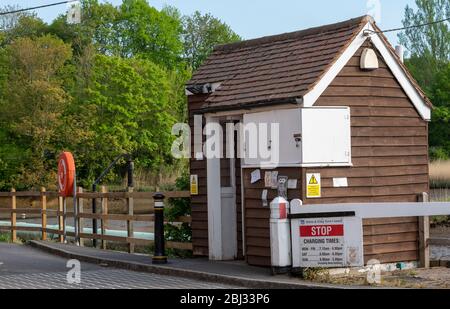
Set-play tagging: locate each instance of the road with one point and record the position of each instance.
(23, 267)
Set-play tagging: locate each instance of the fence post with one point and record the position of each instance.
(61, 218)
(130, 207)
(104, 221)
(80, 220)
(424, 235)
(13, 215)
(44, 213)
(159, 256)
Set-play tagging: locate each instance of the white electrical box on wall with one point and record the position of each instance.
(326, 136)
(268, 147)
(319, 136)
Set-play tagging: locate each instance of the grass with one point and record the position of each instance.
(5, 237)
(440, 175)
(436, 221)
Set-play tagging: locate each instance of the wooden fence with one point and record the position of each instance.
(102, 215)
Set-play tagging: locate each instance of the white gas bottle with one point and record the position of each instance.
(280, 235)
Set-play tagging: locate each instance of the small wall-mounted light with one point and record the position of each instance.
(369, 60)
(298, 139)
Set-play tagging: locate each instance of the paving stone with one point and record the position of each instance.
(104, 279)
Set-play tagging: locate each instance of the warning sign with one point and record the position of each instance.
(327, 242)
(313, 186)
(194, 184)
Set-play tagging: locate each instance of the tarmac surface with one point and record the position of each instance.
(24, 267)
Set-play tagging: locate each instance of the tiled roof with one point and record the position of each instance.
(275, 67)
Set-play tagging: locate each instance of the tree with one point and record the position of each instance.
(112, 84)
(428, 46)
(129, 112)
(18, 25)
(32, 109)
(9, 21)
(429, 49)
(431, 40)
(144, 31)
(440, 125)
(201, 33)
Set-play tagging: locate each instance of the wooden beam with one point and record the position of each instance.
(13, 215)
(130, 232)
(61, 218)
(424, 235)
(80, 206)
(44, 213)
(104, 221)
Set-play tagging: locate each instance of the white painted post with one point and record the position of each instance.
(214, 204)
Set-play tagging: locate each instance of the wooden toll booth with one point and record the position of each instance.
(348, 110)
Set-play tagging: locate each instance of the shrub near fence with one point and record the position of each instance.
(102, 215)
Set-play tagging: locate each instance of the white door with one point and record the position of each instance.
(222, 225)
(228, 207)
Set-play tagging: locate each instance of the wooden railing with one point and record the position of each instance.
(102, 215)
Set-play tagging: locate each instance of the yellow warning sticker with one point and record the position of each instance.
(313, 186)
(313, 180)
(194, 184)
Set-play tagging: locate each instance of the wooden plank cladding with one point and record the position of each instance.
(198, 202)
(389, 154)
(389, 136)
(257, 217)
(390, 164)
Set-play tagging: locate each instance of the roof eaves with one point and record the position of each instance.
(364, 21)
(403, 66)
(234, 107)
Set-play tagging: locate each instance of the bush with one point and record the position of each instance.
(5, 237)
(179, 207)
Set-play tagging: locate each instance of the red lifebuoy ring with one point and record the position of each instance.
(66, 174)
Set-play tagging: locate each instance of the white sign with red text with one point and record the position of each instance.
(327, 242)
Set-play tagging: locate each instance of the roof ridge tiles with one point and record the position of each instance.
(294, 35)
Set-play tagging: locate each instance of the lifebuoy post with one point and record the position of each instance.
(66, 174)
(66, 186)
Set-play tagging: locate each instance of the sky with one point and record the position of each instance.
(256, 18)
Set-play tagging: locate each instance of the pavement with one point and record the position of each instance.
(233, 273)
(24, 267)
(440, 251)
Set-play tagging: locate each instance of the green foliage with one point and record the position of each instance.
(112, 84)
(129, 112)
(430, 65)
(32, 108)
(431, 40)
(440, 133)
(179, 207)
(201, 33)
(5, 237)
(149, 33)
(22, 24)
(133, 29)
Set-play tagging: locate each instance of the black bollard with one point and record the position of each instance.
(159, 256)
